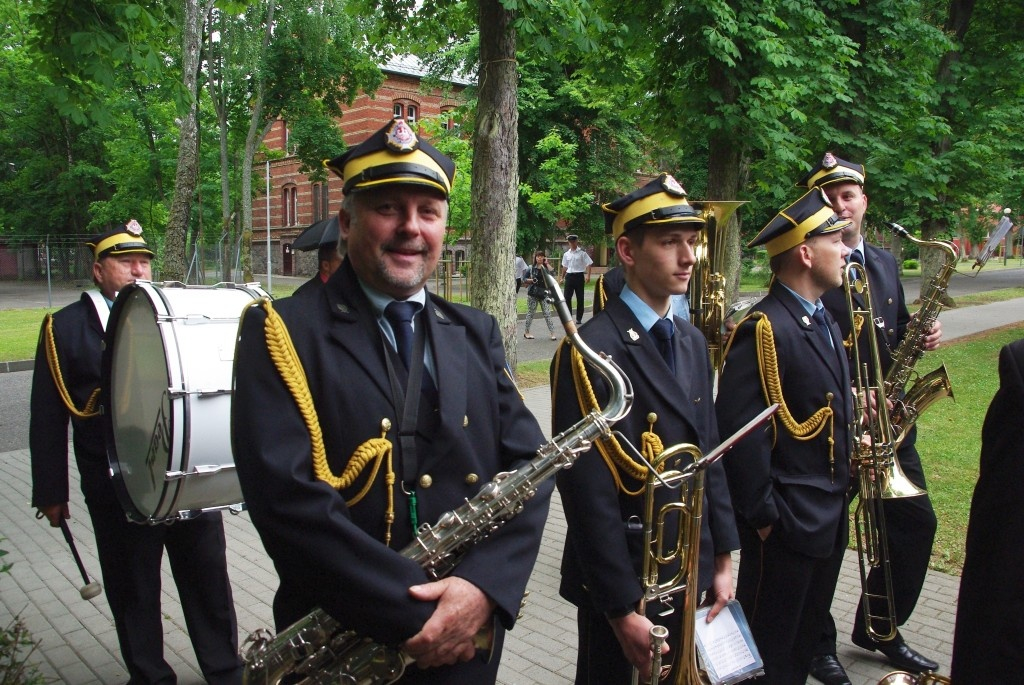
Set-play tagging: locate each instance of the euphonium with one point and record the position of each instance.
(709, 303)
(904, 678)
(317, 649)
(874, 453)
(935, 385)
(665, 471)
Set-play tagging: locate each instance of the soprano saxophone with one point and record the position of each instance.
(935, 385)
(317, 649)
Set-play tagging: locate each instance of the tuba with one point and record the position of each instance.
(318, 650)
(874, 455)
(935, 385)
(709, 304)
(684, 549)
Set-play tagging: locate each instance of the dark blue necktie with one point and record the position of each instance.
(399, 315)
(663, 331)
(822, 325)
(856, 256)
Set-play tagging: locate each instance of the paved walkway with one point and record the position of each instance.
(77, 643)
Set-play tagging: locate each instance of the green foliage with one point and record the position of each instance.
(911, 264)
(16, 648)
(556, 196)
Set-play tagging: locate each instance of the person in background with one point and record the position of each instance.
(520, 268)
(64, 383)
(655, 232)
(576, 265)
(328, 260)
(910, 522)
(537, 294)
(988, 642)
(789, 482)
(390, 407)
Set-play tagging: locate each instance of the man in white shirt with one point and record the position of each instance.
(576, 265)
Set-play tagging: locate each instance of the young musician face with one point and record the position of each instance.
(114, 272)
(394, 236)
(659, 262)
(850, 202)
(827, 254)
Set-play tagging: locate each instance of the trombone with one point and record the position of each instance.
(874, 454)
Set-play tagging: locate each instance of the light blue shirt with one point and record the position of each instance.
(379, 301)
(809, 307)
(641, 310)
(681, 307)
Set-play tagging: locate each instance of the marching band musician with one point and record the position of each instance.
(910, 521)
(789, 482)
(338, 484)
(655, 231)
(67, 373)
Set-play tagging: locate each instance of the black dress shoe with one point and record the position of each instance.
(827, 669)
(899, 654)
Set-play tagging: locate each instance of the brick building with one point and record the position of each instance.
(295, 202)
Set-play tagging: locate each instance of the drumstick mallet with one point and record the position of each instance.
(91, 589)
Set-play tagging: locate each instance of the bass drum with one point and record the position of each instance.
(167, 397)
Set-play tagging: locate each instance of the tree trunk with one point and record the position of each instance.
(495, 190)
(187, 174)
(726, 176)
(257, 132)
(957, 23)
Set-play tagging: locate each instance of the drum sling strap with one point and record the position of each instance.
(375, 450)
(53, 359)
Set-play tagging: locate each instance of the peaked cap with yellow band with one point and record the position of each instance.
(125, 239)
(830, 170)
(394, 154)
(811, 215)
(660, 202)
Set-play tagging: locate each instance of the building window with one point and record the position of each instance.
(289, 206)
(410, 114)
(315, 197)
(399, 110)
(447, 119)
(325, 205)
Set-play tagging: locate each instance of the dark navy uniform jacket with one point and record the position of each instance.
(774, 478)
(332, 555)
(601, 563)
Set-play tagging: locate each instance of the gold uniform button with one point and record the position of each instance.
(426, 481)
(889, 301)
(829, 396)
(465, 421)
(891, 331)
(472, 478)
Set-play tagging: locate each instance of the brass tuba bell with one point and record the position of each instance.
(709, 304)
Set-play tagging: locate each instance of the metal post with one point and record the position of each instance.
(49, 283)
(270, 287)
(1008, 240)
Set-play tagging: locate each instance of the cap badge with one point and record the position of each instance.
(633, 335)
(400, 137)
(671, 186)
(829, 161)
(134, 227)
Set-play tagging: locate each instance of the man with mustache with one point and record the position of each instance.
(373, 406)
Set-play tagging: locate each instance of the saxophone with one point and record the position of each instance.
(317, 649)
(935, 385)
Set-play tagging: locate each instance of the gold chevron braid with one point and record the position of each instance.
(771, 385)
(609, 447)
(53, 361)
(376, 450)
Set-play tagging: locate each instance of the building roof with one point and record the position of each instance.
(411, 65)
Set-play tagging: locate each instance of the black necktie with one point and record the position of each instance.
(663, 330)
(399, 315)
(856, 256)
(819, 319)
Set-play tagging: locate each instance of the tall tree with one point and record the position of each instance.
(193, 18)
